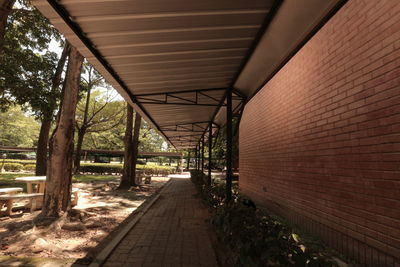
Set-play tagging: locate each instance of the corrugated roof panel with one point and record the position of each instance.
(156, 46)
(173, 35)
(121, 7)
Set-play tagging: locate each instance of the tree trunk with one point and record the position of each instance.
(78, 152)
(127, 170)
(5, 10)
(57, 199)
(60, 66)
(135, 144)
(81, 134)
(41, 152)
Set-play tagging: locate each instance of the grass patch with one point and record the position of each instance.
(8, 180)
(82, 178)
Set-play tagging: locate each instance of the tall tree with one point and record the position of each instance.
(57, 199)
(128, 153)
(135, 146)
(98, 112)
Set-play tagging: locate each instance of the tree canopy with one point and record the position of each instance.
(17, 128)
(27, 65)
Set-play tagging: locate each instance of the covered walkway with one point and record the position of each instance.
(173, 232)
(313, 85)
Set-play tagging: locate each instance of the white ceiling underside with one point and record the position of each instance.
(173, 60)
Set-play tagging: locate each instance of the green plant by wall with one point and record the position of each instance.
(254, 237)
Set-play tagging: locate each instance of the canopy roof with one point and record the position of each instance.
(174, 60)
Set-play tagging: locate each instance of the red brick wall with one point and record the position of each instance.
(320, 143)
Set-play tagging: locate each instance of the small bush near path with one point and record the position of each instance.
(254, 237)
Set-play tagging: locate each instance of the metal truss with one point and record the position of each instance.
(176, 98)
(196, 127)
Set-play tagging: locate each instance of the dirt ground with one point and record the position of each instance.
(99, 214)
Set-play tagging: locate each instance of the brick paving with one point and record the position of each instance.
(173, 232)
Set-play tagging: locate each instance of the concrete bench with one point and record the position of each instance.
(10, 190)
(9, 199)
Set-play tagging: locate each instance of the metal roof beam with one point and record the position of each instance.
(187, 100)
(179, 103)
(186, 123)
(182, 131)
(182, 92)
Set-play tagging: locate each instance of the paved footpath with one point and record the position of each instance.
(173, 232)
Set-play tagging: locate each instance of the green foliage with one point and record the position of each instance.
(102, 168)
(17, 129)
(219, 145)
(29, 167)
(98, 168)
(113, 138)
(257, 239)
(98, 111)
(149, 139)
(254, 237)
(27, 66)
(13, 167)
(20, 161)
(156, 170)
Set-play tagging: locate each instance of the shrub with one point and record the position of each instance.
(101, 168)
(252, 236)
(13, 167)
(20, 161)
(156, 170)
(258, 239)
(29, 167)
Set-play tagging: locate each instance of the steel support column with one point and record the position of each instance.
(229, 145)
(202, 154)
(196, 158)
(188, 161)
(209, 154)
